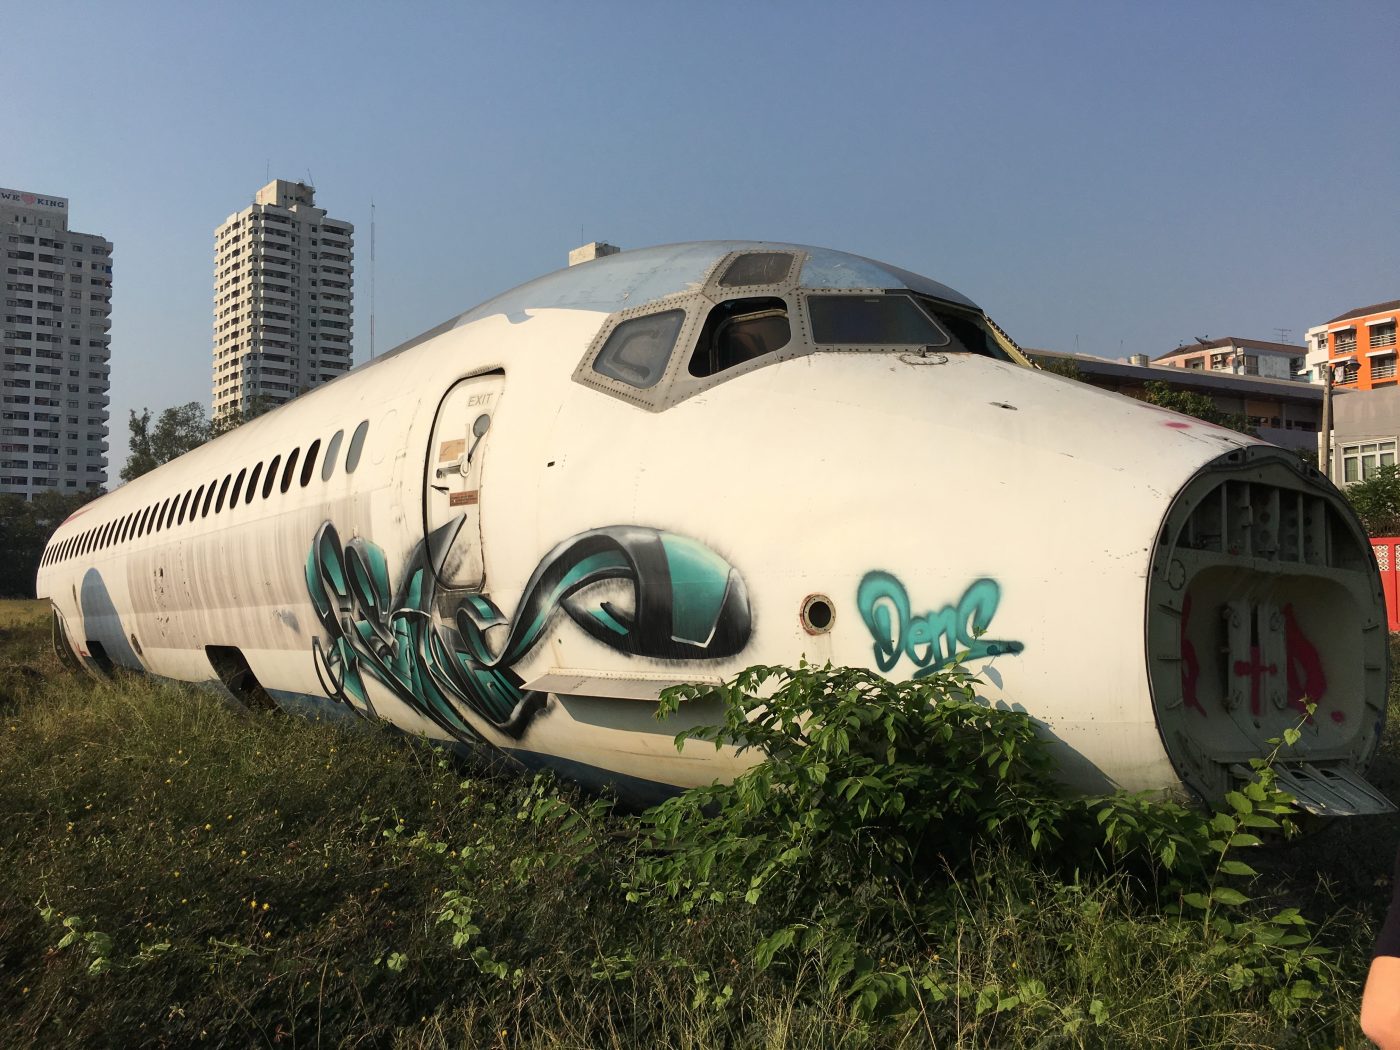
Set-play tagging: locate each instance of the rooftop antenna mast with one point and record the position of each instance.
(371, 278)
(1283, 334)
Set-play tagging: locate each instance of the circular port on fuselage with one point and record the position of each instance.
(817, 614)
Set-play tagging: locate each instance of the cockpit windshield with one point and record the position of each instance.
(898, 319)
(872, 320)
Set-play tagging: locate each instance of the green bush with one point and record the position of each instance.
(875, 800)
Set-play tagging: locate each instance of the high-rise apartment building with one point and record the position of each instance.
(282, 298)
(54, 349)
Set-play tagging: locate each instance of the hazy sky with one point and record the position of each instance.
(1111, 177)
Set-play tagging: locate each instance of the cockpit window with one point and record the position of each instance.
(757, 268)
(739, 331)
(637, 351)
(872, 320)
(969, 333)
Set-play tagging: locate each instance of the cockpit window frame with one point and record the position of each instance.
(676, 384)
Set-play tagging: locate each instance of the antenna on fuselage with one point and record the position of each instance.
(371, 278)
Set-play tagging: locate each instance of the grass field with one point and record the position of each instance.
(174, 871)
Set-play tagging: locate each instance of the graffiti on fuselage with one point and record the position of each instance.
(428, 646)
(930, 640)
(1305, 679)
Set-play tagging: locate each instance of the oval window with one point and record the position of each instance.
(290, 470)
(308, 468)
(357, 445)
(271, 478)
(332, 451)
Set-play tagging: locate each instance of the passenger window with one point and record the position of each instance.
(237, 488)
(357, 444)
(872, 320)
(309, 467)
(223, 491)
(194, 506)
(757, 268)
(290, 470)
(739, 331)
(160, 515)
(638, 350)
(332, 452)
(184, 505)
(271, 478)
(208, 498)
(253, 483)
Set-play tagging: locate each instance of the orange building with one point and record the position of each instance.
(1361, 346)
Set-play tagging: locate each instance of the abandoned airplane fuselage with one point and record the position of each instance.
(672, 463)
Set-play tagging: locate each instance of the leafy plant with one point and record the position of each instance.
(872, 796)
(861, 779)
(1377, 501)
(1192, 404)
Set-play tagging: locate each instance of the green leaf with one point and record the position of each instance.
(1226, 895)
(1238, 802)
(1236, 867)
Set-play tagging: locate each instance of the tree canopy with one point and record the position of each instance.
(178, 430)
(25, 527)
(1377, 502)
(1197, 405)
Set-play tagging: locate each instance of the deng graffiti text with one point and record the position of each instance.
(931, 640)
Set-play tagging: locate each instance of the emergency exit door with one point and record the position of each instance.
(452, 492)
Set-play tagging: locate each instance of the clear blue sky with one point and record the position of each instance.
(1114, 177)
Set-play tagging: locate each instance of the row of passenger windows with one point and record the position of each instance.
(218, 496)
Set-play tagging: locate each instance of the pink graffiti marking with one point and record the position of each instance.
(1178, 426)
(1306, 678)
(1190, 666)
(1255, 670)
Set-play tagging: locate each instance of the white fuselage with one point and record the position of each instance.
(937, 502)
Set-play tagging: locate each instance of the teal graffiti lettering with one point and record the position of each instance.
(934, 639)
